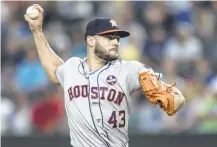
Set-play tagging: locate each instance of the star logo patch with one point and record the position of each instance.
(111, 80)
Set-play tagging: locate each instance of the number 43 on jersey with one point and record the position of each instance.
(115, 116)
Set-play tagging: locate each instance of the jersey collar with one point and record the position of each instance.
(85, 67)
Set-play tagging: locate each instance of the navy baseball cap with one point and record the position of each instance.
(104, 25)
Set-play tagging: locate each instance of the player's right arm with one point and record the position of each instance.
(49, 60)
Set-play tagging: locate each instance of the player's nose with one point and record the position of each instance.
(115, 42)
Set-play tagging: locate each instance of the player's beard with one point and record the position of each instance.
(101, 53)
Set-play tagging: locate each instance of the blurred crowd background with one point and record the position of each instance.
(178, 39)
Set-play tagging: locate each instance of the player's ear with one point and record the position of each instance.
(91, 41)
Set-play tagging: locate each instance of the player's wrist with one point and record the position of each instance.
(37, 32)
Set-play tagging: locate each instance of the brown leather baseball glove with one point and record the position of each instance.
(158, 92)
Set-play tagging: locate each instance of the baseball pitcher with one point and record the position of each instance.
(98, 88)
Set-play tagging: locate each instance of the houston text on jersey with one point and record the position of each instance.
(110, 94)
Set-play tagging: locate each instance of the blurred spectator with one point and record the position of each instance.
(154, 46)
(155, 14)
(74, 9)
(30, 75)
(207, 116)
(21, 122)
(184, 49)
(47, 113)
(205, 22)
(7, 110)
(180, 10)
(150, 118)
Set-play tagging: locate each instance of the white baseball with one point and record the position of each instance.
(32, 12)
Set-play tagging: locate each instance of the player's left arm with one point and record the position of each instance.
(168, 97)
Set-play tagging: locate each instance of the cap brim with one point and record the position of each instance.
(120, 33)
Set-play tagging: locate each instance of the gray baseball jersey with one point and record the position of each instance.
(98, 103)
